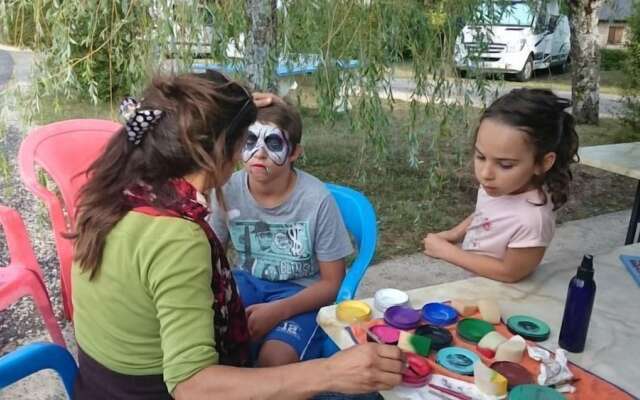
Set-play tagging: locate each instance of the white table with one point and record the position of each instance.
(613, 343)
(623, 159)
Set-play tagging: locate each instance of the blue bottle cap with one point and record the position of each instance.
(439, 314)
(457, 359)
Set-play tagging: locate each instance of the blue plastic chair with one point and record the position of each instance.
(35, 357)
(360, 218)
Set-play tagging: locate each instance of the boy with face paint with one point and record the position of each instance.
(289, 239)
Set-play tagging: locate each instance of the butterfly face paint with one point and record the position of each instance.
(271, 139)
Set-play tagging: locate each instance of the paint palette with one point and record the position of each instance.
(418, 371)
(386, 334)
(351, 311)
(439, 314)
(440, 337)
(473, 329)
(457, 359)
(402, 317)
(515, 373)
(528, 327)
(385, 298)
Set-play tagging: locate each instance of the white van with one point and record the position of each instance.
(515, 38)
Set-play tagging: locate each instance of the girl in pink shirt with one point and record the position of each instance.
(523, 148)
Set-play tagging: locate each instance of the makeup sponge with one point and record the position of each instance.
(489, 311)
(489, 381)
(489, 343)
(414, 343)
(511, 350)
(465, 308)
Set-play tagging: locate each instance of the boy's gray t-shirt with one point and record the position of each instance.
(286, 242)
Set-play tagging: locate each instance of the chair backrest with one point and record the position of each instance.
(360, 219)
(35, 357)
(20, 250)
(64, 150)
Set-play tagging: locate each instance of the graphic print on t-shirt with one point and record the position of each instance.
(275, 252)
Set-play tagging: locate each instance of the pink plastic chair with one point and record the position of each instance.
(23, 275)
(64, 150)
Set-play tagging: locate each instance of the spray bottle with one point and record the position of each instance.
(577, 309)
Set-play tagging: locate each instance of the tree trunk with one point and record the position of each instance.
(260, 46)
(585, 60)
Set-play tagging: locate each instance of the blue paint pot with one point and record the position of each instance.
(439, 314)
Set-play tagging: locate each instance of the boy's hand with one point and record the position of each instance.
(263, 317)
(435, 245)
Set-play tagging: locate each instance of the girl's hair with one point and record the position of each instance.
(540, 113)
(205, 118)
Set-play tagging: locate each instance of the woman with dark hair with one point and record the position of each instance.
(156, 312)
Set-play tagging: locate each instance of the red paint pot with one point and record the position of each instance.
(418, 371)
(488, 353)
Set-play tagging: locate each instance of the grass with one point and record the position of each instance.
(611, 82)
(411, 202)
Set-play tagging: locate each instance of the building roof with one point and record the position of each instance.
(616, 10)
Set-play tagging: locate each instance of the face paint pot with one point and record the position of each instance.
(439, 314)
(351, 311)
(528, 327)
(385, 298)
(440, 337)
(473, 329)
(537, 392)
(457, 359)
(402, 317)
(516, 374)
(418, 371)
(386, 333)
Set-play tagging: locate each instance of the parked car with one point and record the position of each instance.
(514, 38)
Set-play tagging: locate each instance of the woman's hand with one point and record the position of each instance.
(262, 99)
(263, 317)
(435, 245)
(366, 368)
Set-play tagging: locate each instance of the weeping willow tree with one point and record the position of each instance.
(101, 49)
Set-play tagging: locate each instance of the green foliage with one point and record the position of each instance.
(632, 69)
(100, 49)
(612, 59)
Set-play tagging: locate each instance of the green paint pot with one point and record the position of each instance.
(528, 327)
(473, 329)
(534, 392)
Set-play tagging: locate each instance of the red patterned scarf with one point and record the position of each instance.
(230, 321)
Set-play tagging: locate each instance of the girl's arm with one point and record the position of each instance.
(516, 265)
(456, 234)
(264, 316)
(360, 369)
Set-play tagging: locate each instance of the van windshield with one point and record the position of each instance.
(514, 14)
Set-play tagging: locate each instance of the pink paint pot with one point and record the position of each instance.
(386, 333)
(418, 371)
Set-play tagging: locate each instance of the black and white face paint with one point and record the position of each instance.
(272, 139)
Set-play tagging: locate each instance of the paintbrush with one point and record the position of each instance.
(450, 392)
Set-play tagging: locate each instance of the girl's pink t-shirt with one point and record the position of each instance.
(511, 221)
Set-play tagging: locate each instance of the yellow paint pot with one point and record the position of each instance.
(351, 311)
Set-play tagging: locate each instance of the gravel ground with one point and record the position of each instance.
(21, 320)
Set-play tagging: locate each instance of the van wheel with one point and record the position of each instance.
(565, 66)
(527, 71)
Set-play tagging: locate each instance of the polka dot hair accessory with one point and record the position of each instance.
(137, 121)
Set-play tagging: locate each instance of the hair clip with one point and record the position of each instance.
(137, 121)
